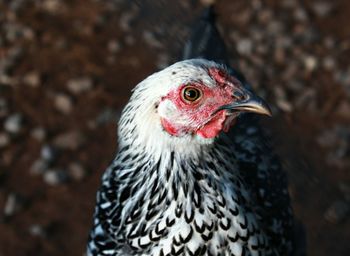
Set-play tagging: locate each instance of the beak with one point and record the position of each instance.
(248, 102)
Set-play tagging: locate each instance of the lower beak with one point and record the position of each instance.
(248, 103)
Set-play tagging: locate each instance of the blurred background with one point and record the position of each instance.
(67, 68)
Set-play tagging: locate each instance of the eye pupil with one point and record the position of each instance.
(191, 94)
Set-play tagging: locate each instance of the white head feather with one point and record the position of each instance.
(140, 122)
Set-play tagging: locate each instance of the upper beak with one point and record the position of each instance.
(248, 102)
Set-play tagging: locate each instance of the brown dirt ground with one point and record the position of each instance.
(65, 211)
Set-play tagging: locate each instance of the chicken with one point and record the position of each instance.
(194, 174)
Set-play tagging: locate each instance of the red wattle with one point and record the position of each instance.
(213, 127)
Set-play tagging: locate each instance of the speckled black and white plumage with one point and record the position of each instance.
(164, 195)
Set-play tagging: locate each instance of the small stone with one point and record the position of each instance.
(7, 80)
(289, 4)
(299, 31)
(281, 99)
(52, 6)
(306, 99)
(63, 103)
(38, 133)
(328, 63)
(79, 85)
(12, 205)
(283, 41)
(4, 140)
(3, 107)
(16, 5)
(13, 124)
(113, 46)
(234, 36)
(207, 2)
(108, 115)
(48, 153)
(344, 45)
(311, 35)
(343, 109)
(256, 4)
(13, 31)
(327, 138)
(342, 149)
(39, 167)
(242, 18)
(275, 27)
(337, 212)
(279, 92)
(257, 36)
(70, 140)
(265, 16)
(284, 105)
(343, 77)
(61, 44)
(261, 49)
(300, 15)
(76, 171)
(336, 140)
(336, 158)
(32, 79)
(257, 61)
(151, 39)
(295, 85)
(8, 61)
(279, 55)
(7, 157)
(125, 20)
(101, 19)
(55, 177)
(329, 42)
(133, 61)
(91, 124)
(322, 8)
(111, 60)
(37, 230)
(28, 33)
(310, 63)
(130, 40)
(83, 28)
(163, 60)
(245, 46)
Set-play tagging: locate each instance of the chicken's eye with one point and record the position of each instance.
(191, 94)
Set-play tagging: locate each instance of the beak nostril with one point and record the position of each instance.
(246, 101)
(238, 95)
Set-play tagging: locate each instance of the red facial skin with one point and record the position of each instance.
(200, 112)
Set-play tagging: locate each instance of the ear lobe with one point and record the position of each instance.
(170, 128)
(168, 114)
(166, 109)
